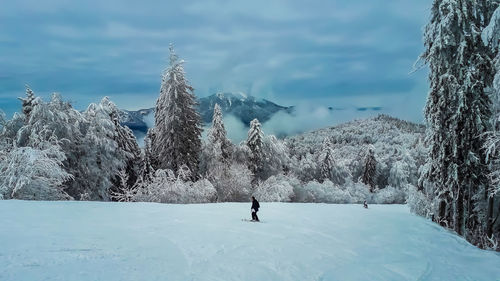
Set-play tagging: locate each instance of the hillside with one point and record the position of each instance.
(147, 241)
(398, 146)
(381, 128)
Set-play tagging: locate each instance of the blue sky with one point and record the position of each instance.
(336, 53)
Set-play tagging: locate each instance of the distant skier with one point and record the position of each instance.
(255, 209)
(365, 205)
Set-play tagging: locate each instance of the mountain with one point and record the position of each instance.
(137, 120)
(243, 107)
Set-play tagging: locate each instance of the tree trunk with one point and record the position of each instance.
(459, 212)
(489, 217)
(442, 212)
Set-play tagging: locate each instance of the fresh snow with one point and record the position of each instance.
(73, 240)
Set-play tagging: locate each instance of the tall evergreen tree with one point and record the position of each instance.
(3, 120)
(103, 160)
(326, 161)
(217, 153)
(457, 109)
(147, 172)
(275, 157)
(491, 37)
(329, 168)
(218, 143)
(177, 132)
(127, 147)
(255, 142)
(370, 169)
(27, 102)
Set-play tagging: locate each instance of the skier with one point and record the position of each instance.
(255, 209)
(365, 205)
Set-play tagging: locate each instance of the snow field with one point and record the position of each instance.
(71, 240)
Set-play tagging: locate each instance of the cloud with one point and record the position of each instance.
(236, 130)
(305, 118)
(288, 50)
(308, 119)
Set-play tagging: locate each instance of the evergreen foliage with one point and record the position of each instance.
(370, 169)
(177, 131)
(458, 112)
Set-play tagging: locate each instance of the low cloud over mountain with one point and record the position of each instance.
(239, 109)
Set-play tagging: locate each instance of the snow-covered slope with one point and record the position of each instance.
(146, 241)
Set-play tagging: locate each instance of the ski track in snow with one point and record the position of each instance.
(147, 241)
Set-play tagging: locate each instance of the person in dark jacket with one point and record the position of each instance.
(255, 209)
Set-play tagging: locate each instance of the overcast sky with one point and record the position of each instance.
(342, 53)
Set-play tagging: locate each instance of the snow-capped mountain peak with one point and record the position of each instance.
(243, 107)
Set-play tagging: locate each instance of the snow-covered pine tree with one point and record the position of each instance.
(27, 102)
(276, 157)
(255, 142)
(441, 102)
(217, 155)
(491, 38)
(329, 169)
(177, 132)
(399, 174)
(103, 159)
(11, 128)
(146, 172)
(457, 109)
(370, 169)
(304, 166)
(474, 114)
(3, 120)
(326, 161)
(127, 147)
(218, 144)
(127, 143)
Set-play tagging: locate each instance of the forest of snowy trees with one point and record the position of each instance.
(447, 171)
(53, 152)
